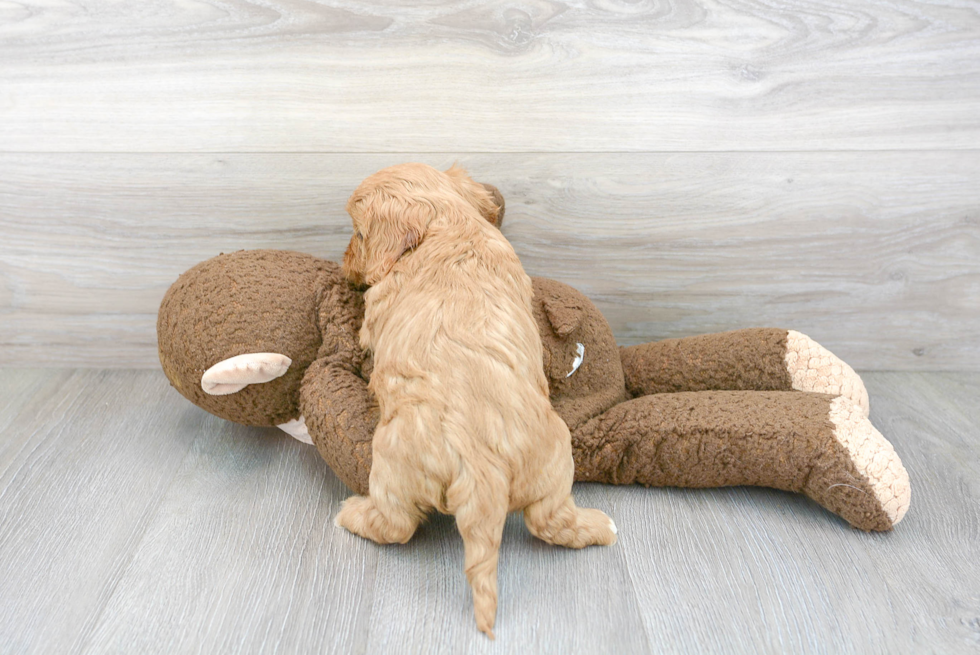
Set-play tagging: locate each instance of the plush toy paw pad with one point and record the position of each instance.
(873, 456)
(235, 373)
(814, 368)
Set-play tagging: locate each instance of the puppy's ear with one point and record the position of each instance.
(393, 227)
(498, 199)
(477, 195)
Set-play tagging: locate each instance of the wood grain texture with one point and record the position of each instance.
(521, 76)
(552, 600)
(934, 420)
(761, 571)
(242, 557)
(131, 521)
(875, 255)
(83, 466)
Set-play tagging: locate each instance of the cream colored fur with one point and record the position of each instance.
(466, 424)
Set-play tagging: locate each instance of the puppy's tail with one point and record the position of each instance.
(480, 520)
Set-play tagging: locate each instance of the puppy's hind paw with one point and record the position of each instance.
(361, 515)
(592, 528)
(599, 527)
(352, 512)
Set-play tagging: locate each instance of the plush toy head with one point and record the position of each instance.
(289, 306)
(258, 301)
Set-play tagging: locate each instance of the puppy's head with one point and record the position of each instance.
(392, 209)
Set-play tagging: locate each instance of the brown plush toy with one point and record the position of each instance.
(270, 338)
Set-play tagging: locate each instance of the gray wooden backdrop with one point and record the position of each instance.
(692, 166)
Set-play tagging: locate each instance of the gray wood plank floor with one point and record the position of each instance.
(131, 521)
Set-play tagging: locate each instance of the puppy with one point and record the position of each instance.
(466, 425)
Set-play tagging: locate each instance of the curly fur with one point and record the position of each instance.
(466, 425)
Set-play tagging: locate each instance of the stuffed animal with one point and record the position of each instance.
(270, 338)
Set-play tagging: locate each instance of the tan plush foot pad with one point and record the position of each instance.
(874, 458)
(297, 430)
(814, 368)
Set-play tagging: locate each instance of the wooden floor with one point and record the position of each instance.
(133, 522)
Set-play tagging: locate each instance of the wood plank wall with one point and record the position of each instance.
(692, 166)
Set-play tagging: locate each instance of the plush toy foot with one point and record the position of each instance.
(816, 444)
(880, 473)
(236, 373)
(814, 368)
(297, 430)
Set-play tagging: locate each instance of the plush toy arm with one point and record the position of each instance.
(755, 359)
(816, 444)
(341, 416)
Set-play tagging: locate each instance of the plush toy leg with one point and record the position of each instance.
(755, 359)
(811, 443)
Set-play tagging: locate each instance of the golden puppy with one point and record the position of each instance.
(466, 426)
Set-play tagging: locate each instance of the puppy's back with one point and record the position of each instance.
(466, 424)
